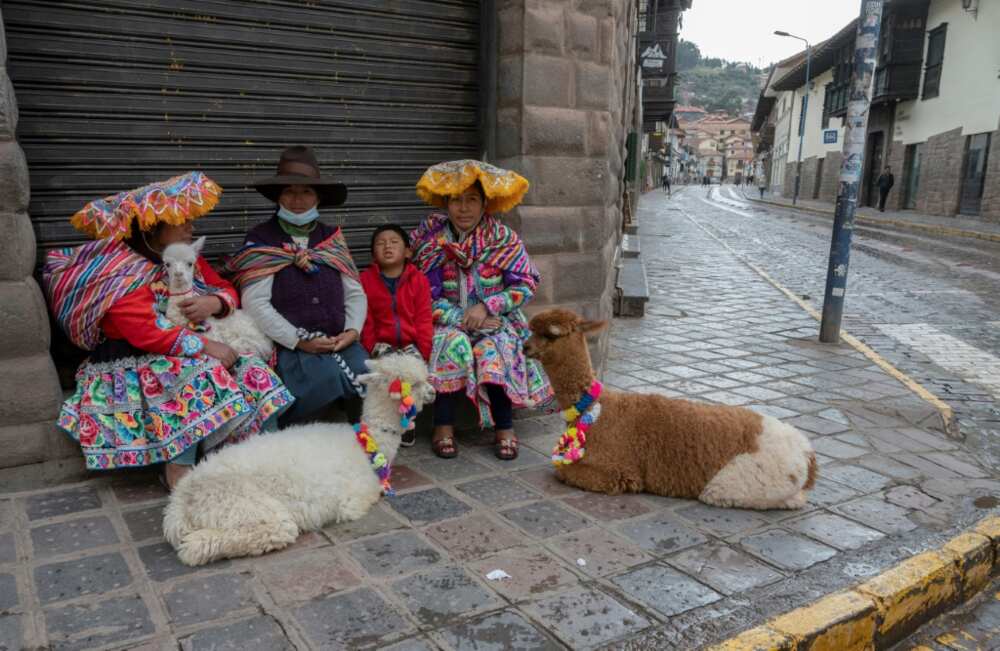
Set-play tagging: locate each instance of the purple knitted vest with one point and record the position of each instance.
(311, 301)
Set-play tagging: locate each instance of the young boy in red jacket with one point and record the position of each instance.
(399, 301)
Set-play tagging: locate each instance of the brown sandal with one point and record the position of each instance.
(444, 447)
(506, 448)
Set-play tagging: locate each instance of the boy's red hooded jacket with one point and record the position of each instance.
(401, 320)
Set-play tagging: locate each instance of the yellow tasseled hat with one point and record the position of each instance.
(504, 189)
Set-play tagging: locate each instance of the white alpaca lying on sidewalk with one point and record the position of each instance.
(258, 496)
(237, 329)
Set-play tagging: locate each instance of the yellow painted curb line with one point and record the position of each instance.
(947, 413)
(933, 229)
(885, 609)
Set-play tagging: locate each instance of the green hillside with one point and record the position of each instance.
(716, 84)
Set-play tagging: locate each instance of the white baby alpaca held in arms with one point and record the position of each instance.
(237, 329)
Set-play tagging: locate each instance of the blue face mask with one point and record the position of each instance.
(298, 218)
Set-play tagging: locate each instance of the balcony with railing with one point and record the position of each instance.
(897, 81)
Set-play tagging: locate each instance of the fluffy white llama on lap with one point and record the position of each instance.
(258, 496)
(237, 328)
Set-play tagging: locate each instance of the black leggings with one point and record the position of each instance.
(500, 407)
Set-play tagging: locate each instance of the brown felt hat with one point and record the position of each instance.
(298, 166)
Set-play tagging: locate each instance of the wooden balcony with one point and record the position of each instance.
(895, 82)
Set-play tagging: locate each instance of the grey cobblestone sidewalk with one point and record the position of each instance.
(85, 566)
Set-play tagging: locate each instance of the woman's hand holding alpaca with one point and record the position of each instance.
(198, 308)
(474, 317)
(344, 339)
(222, 352)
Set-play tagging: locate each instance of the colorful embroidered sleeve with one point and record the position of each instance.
(134, 319)
(446, 313)
(518, 290)
(225, 291)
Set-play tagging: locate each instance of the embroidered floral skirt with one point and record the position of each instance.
(138, 411)
(461, 363)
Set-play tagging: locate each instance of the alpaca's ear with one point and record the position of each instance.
(590, 328)
(368, 378)
(198, 244)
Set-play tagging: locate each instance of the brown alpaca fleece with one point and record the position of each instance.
(652, 443)
(638, 436)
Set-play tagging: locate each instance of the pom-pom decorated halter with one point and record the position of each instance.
(408, 415)
(407, 407)
(377, 460)
(579, 418)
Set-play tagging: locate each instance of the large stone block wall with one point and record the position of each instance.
(33, 450)
(991, 193)
(565, 105)
(788, 183)
(808, 181)
(830, 181)
(940, 174)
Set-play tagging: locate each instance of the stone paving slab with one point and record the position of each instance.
(86, 566)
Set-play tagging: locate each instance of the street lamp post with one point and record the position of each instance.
(802, 118)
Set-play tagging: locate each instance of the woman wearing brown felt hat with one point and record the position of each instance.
(299, 282)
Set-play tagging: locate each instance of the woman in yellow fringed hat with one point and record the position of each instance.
(480, 277)
(152, 392)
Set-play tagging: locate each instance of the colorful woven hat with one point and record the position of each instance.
(504, 188)
(174, 201)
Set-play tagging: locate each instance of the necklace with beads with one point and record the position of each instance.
(579, 418)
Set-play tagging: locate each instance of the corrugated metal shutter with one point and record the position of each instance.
(117, 93)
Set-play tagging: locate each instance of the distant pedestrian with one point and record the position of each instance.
(666, 183)
(750, 180)
(761, 185)
(885, 183)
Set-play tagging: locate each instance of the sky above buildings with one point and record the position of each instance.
(739, 30)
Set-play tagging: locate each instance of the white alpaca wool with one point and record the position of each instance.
(259, 495)
(236, 329)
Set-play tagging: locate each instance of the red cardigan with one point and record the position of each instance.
(401, 321)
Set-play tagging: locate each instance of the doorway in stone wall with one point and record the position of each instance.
(977, 149)
(911, 168)
(873, 165)
(818, 181)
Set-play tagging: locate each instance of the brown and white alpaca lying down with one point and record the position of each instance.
(721, 455)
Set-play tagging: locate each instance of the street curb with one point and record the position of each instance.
(885, 609)
(946, 231)
(948, 422)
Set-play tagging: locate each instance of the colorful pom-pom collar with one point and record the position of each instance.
(377, 460)
(579, 418)
(407, 420)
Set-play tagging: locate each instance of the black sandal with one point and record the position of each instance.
(444, 447)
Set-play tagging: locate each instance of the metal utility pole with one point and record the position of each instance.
(866, 46)
(802, 116)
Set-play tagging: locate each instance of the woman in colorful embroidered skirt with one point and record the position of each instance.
(300, 285)
(152, 392)
(480, 278)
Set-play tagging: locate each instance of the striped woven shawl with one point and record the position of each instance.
(491, 243)
(82, 283)
(257, 261)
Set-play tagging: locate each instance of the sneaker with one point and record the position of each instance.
(408, 439)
